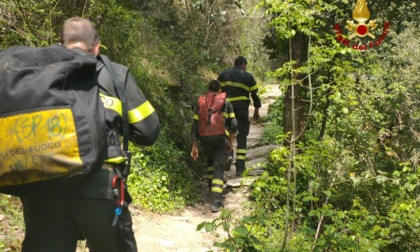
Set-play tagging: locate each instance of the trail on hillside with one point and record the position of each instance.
(165, 233)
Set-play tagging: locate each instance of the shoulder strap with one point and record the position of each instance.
(121, 95)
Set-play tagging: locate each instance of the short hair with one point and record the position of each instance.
(80, 30)
(240, 61)
(214, 85)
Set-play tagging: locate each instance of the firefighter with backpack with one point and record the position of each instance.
(214, 126)
(97, 207)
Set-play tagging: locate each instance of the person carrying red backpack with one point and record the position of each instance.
(215, 127)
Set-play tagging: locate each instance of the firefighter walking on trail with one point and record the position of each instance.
(214, 125)
(239, 85)
(97, 208)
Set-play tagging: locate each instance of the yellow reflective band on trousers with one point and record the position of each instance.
(217, 182)
(217, 189)
(210, 172)
(241, 151)
(240, 154)
(217, 185)
(195, 117)
(141, 112)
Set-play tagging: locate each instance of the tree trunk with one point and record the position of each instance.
(298, 54)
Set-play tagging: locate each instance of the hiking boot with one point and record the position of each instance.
(228, 163)
(215, 207)
(239, 172)
(216, 202)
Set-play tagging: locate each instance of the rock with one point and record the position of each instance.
(256, 172)
(256, 166)
(262, 151)
(240, 181)
(256, 163)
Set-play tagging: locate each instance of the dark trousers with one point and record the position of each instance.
(242, 117)
(53, 225)
(215, 150)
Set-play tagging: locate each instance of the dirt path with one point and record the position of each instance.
(164, 233)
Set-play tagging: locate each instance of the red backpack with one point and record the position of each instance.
(211, 121)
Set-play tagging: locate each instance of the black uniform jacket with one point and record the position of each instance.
(144, 128)
(143, 121)
(238, 85)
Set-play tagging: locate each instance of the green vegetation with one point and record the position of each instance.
(347, 176)
(11, 221)
(172, 49)
(160, 180)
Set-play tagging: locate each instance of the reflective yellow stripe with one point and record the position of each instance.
(238, 98)
(253, 88)
(235, 84)
(217, 182)
(210, 168)
(141, 112)
(216, 189)
(196, 117)
(135, 115)
(111, 103)
(228, 115)
(116, 160)
(210, 176)
(240, 154)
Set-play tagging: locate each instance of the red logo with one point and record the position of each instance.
(361, 29)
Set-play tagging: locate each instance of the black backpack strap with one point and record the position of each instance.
(121, 94)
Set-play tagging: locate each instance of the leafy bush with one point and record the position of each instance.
(334, 207)
(273, 124)
(159, 180)
(11, 223)
(240, 234)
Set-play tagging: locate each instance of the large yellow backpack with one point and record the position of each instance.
(52, 121)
